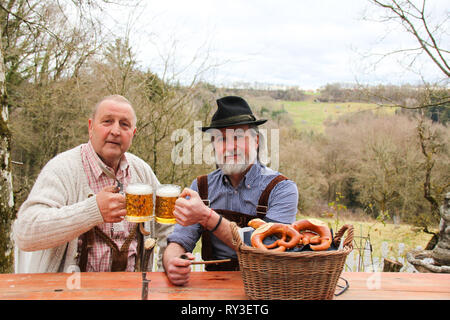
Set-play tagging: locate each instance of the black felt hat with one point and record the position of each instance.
(232, 111)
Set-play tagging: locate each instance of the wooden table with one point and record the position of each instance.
(207, 286)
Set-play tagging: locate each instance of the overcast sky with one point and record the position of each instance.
(292, 42)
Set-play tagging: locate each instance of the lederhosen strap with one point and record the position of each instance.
(119, 257)
(264, 198)
(87, 242)
(240, 218)
(202, 185)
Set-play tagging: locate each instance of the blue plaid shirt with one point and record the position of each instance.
(282, 204)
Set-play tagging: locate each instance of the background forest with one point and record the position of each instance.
(369, 150)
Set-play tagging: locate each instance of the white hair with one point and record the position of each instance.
(116, 98)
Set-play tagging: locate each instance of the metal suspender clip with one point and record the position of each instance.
(261, 209)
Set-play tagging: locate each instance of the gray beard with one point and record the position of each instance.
(231, 168)
(237, 168)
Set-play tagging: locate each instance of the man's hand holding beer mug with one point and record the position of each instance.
(111, 204)
(190, 209)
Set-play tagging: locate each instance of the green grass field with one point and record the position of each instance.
(309, 115)
(378, 233)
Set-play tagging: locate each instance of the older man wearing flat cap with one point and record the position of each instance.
(239, 190)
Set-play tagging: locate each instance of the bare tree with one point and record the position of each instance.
(432, 144)
(41, 42)
(431, 37)
(6, 187)
(414, 18)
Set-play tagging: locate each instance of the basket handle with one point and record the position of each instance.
(348, 239)
(236, 239)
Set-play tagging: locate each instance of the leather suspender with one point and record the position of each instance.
(119, 257)
(261, 208)
(240, 218)
(202, 184)
(87, 241)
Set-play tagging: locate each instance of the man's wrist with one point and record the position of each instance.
(211, 223)
(217, 225)
(207, 216)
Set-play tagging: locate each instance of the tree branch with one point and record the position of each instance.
(440, 62)
(435, 46)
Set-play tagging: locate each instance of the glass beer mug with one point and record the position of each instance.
(166, 195)
(139, 202)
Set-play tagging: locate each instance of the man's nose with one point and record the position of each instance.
(115, 129)
(230, 144)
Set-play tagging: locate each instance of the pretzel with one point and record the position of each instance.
(309, 237)
(314, 232)
(256, 223)
(267, 229)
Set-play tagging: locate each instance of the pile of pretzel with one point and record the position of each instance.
(302, 232)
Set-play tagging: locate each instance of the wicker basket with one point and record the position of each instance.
(306, 275)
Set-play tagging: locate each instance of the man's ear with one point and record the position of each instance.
(90, 127)
(257, 142)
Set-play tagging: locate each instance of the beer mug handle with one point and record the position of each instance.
(120, 186)
(142, 229)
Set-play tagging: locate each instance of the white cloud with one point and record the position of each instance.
(306, 43)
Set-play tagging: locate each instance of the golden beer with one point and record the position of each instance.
(166, 195)
(139, 200)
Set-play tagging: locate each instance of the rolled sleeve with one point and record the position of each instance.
(283, 202)
(186, 237)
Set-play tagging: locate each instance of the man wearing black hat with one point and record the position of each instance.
(239, 190)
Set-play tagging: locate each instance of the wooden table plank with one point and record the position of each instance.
(54, 286)
(393, 285)
(207, 286)
(202, 286)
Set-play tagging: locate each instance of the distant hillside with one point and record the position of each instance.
(311, 114)
(308, 110)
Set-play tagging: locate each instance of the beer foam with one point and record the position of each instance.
(168, 190)
(139, 189)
